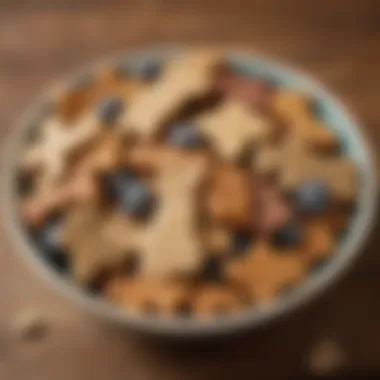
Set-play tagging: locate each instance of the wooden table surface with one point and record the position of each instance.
(338, 41)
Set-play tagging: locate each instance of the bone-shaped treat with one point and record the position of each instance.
(319, 241)
(296, 163)
(97, 240)
(295, 110)
(143, 295)
(57, 141)
(77, 99)
(80, 187)
(184, 79)
(264, 271)
(229, 198)
(232, 127)
(171, 242)
(212, 300)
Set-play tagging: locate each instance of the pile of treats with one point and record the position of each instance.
(185, 187)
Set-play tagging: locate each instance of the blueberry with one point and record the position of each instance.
(109, 109)
(137, 199)
(116, 183)
(50, 237)
(213, 270)
(240, 243)
(132, 194)
(185, 136)
(288, 235)
(148, 70)
(313, 197)
(48, 241)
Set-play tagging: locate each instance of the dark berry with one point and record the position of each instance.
(109, 109)
(213, 270)
(116, 183)
(137, 199)
(130, 193)
(312, 197)
(148, 70)
(288, 235)
(48, 241)
(240, 243)
(185, 136)
(50, 237)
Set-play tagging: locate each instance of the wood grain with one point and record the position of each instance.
(42, 40)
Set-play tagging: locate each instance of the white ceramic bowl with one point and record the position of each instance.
(336, 116)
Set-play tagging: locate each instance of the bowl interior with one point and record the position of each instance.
(329, 110)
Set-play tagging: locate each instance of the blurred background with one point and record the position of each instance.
(42, 335)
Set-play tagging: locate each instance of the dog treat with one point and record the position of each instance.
(229, 199)
(76, 190)
(231, 128)
(80, 187)
(319, 241)
(88, 237)
(171, 243)
(56, 143)
(337, 173)
(184, 79)
(294, 108)
(183, 188)
(212, 300)
(89, 92)
(145, 296)
(265, 271)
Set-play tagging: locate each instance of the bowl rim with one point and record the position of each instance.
(178, 327)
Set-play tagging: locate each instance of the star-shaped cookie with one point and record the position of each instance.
(295, 163)
(97, 240)
(265, 271)
(57, 141)
(295, 110)
(232, 127)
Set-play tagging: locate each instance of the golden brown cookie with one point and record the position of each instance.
(295, 164)
(213, 300)
(165, 297)
(80, 187)
(264, 271)
(74, 101)
(232, 127)
(57, 141)
(294, 109)
(171, 242)
(229, 196)
(97, 240)
(319, 240)
(184, 79)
